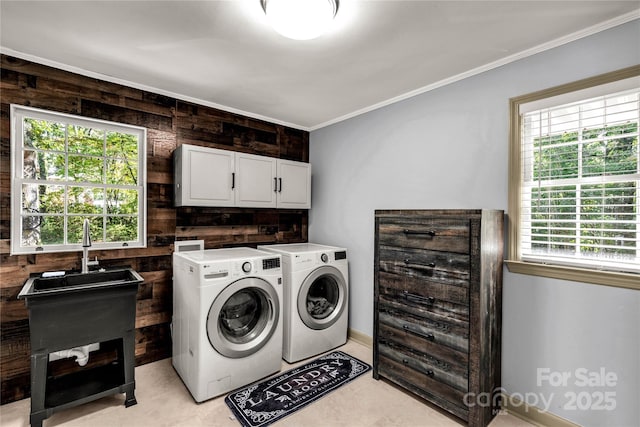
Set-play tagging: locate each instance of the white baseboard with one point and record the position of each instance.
(360, 338)
(532, 414)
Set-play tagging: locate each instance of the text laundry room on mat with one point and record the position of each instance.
(261, 404)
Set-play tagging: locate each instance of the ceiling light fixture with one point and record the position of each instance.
(300, 19)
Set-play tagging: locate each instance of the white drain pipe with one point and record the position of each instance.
(80, 353)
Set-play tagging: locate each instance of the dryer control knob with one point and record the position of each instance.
(324, 257)
(246, 267)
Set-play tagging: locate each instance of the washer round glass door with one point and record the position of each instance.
(243, 317)
(322, 297)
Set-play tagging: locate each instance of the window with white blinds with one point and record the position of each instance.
(580, 182)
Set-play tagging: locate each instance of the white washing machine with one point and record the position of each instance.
(227, 318)
(316, 298)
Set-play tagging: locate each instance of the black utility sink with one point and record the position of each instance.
(41, 286)
(73, 310)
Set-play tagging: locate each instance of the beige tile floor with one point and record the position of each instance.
(163, 400)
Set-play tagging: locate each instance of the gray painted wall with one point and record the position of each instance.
(448, 148)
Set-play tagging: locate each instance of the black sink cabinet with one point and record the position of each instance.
(73, 311)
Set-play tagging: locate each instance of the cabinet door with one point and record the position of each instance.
(255, 181)
(203, 176)
(294, 185)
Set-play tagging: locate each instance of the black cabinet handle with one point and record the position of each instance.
(275, 184)
(429, 233)
(418, 298)
(428, 336)
(280, 181)
(430, 265)
(233, 180)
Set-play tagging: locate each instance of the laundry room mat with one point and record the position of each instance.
(266, 402)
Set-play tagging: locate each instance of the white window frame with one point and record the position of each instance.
(18, 114)
(583, 89)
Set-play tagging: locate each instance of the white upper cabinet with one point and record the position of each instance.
(294, 184)
(212, 177)
(203, 176)
(255, 185)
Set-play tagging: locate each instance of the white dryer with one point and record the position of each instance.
(316, 298)
(227, 318)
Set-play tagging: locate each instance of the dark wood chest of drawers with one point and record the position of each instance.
(438, 296)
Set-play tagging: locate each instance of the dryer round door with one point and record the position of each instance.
(322, 297)
(243, 317)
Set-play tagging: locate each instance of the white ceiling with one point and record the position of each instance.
(223, 54)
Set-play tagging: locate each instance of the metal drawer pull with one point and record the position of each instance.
(418, 298)
(430, 373)
(429, 336)
(275, 185)
(429, 233)
(430, 265)
(405, 361)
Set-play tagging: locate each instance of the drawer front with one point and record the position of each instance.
(443, 322)
(423, 384)
(439, 267)
(426, 292)
(438, 372)
(444, 319)
(449, 371)
(449, 235)
(448, 358)
(457, 339)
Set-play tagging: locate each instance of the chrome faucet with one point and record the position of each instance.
(86, 244)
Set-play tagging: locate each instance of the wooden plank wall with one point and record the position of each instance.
(169, 122)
